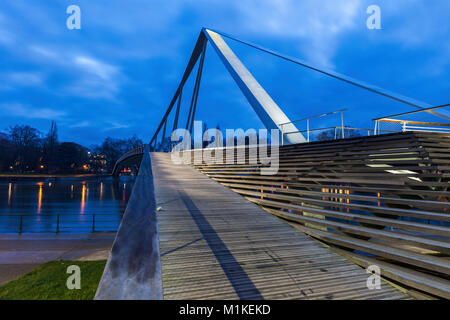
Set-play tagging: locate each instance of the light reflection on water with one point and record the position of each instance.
(74, 200)
(83, 198)
(9, 193)
(40, 198)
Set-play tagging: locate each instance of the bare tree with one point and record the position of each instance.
(26, 141)
(113, 149)
(50, 147)
(325, 135)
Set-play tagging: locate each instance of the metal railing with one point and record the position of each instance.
(132, 153)
(339, 131)
(308, 130)
(59, 223)
(413, 125)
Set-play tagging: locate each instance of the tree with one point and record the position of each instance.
(6, 152)
(50, 147)
(133, 143)
(350, 133)
(219, 138)
(71, 157)
(27, 142)
(206, 135)
(113, 149)
(326, 135)
(330, 134)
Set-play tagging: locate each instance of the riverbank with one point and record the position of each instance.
(49, 282)
(20, 254)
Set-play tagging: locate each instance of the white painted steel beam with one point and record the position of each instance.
(268, 111)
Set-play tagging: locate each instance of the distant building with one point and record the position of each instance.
(97, 162)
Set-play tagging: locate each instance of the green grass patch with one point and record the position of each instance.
(48, 282)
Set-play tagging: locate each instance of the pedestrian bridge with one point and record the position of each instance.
(309, 232)
(333, 213)
(214, 244)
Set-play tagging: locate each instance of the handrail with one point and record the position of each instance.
(127, 154)
(315, 116)
(406, 124)
(308, 130)
(337, 127)
(134, 152)
(425, 123)
(58, 223)
(411, 112)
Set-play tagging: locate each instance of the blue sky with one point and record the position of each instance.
(116, 76)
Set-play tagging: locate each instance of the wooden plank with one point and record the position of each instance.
(441, 246)
(421, 227)
(399, 182)
(217, 245)
(428, 262)
(427, 283)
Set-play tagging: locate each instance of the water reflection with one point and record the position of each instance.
(83, 198)
(74, 200)
(39, 198)
(9, 193)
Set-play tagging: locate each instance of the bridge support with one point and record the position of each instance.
(267, 110)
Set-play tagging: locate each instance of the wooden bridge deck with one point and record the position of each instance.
(214, 244)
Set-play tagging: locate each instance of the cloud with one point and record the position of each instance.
(96, 79)
(46, 53)
(19, 110)
(115, 125)
(314, 29)
(82, 124)
(6, 38)
(96, 68)
(24, 78)
(90, 77)
(125, 66)
(93, 88)
(414, 23)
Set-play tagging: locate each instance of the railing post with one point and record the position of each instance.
(57, 223)
(342, 124)
(307, 128)
(20, 224)
(93, 223)
(282, 134)
(404, 127)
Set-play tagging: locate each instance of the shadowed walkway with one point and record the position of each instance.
(214, 244)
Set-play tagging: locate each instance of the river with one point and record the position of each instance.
(73, 205)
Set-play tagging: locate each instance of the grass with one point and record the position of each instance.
(48, 282)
